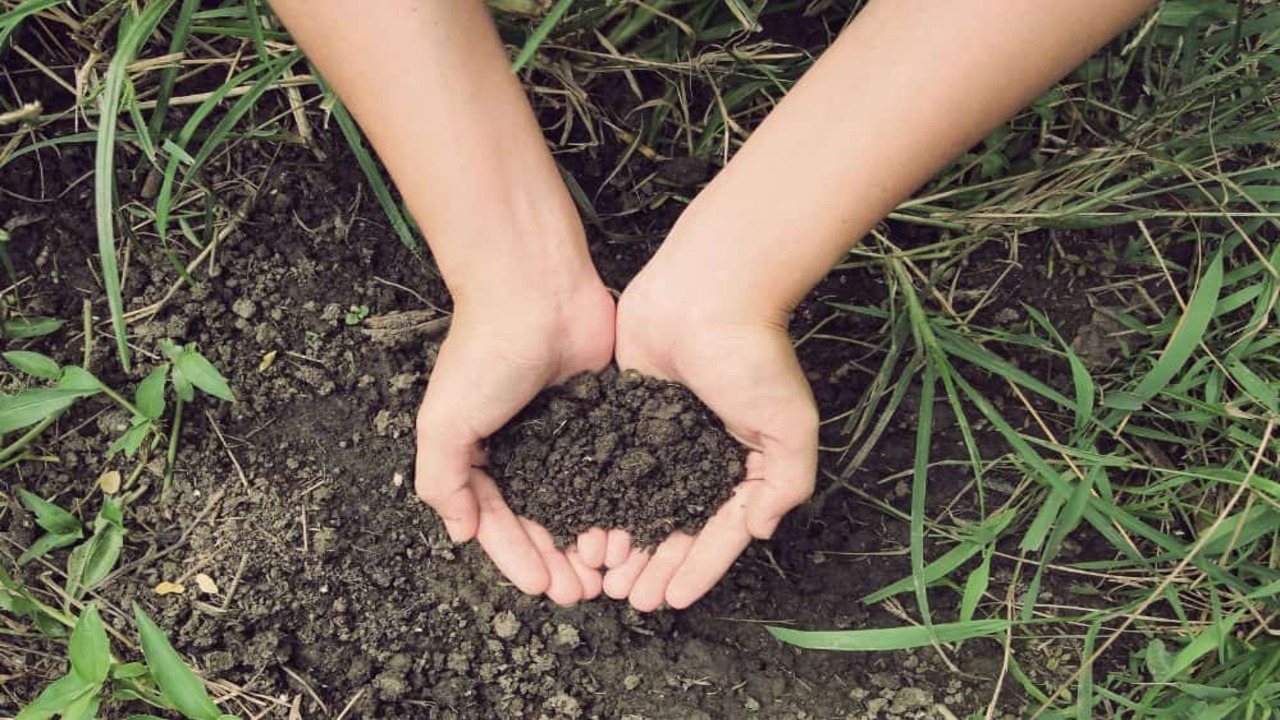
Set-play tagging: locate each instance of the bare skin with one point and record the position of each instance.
(907, 86)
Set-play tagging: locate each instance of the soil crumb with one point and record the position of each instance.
(616, 450)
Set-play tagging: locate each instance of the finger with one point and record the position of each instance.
(592, 546)
(755, 466)
(591, 579)
(617, 548)
(505, 541)
(716, 546)
(564, 588)
(442, 472)
(650, 589)
(790, 469)
(619, 580)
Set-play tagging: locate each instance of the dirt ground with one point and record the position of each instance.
(340, 593)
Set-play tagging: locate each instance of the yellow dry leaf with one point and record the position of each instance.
(170, 588)
(267, 361)
(206, 584)
(110, 482)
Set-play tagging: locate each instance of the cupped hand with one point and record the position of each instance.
(501, 351)
(745, 369)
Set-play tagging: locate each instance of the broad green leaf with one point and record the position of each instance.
(899, 638)
(201, 373)
(179, 685)
(150, 395)
(125, 671)
(33, 363)
(84, 707)
(90, 649)
(33, 405)
(26, 328)
(182, 386)
(132, 438)
(77, 378)
(46, 543)
(57, 697)
(50, 517)
(92, 561)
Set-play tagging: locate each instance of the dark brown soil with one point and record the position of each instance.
(616, 450)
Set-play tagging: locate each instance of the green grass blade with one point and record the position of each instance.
(1187, 334)
(920, 489)
(177, 43)
(104, 164)
(901, 638)
(11, 20)
(540, 34)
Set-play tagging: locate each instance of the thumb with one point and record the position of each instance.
(442, 472)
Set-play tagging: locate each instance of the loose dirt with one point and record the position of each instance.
(616, 450)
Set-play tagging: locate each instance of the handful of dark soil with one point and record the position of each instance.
(616, 450)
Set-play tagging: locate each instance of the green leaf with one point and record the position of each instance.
(127, 671)
(1158, 660)
(84, 707)
(899, 638)
(1206, 642)
(933, 572)
(182, 386)
(31, 406)
(132, 438)
(91, 562)
(150, 395)
(47, 542)
(79, 379)
(177, 683)
(33, 363)
(1186, 335)
(111, 99)
(56, 698)
(974, 588)
(50, 517)
(90, 649)
(26, 328)
(201, 373)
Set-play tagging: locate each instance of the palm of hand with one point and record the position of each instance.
(749, 376)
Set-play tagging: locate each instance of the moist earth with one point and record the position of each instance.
(616, 449)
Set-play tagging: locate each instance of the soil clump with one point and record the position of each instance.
(616, 449)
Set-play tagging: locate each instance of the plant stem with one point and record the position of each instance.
(173, 446)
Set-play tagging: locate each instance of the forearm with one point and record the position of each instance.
(430, 85)
(906, 88)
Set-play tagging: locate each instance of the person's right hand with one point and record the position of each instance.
(502, 349)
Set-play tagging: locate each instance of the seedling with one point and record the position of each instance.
(356, 314)
(37, 408)
(164, 681)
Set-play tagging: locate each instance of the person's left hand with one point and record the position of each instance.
(745, 370)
